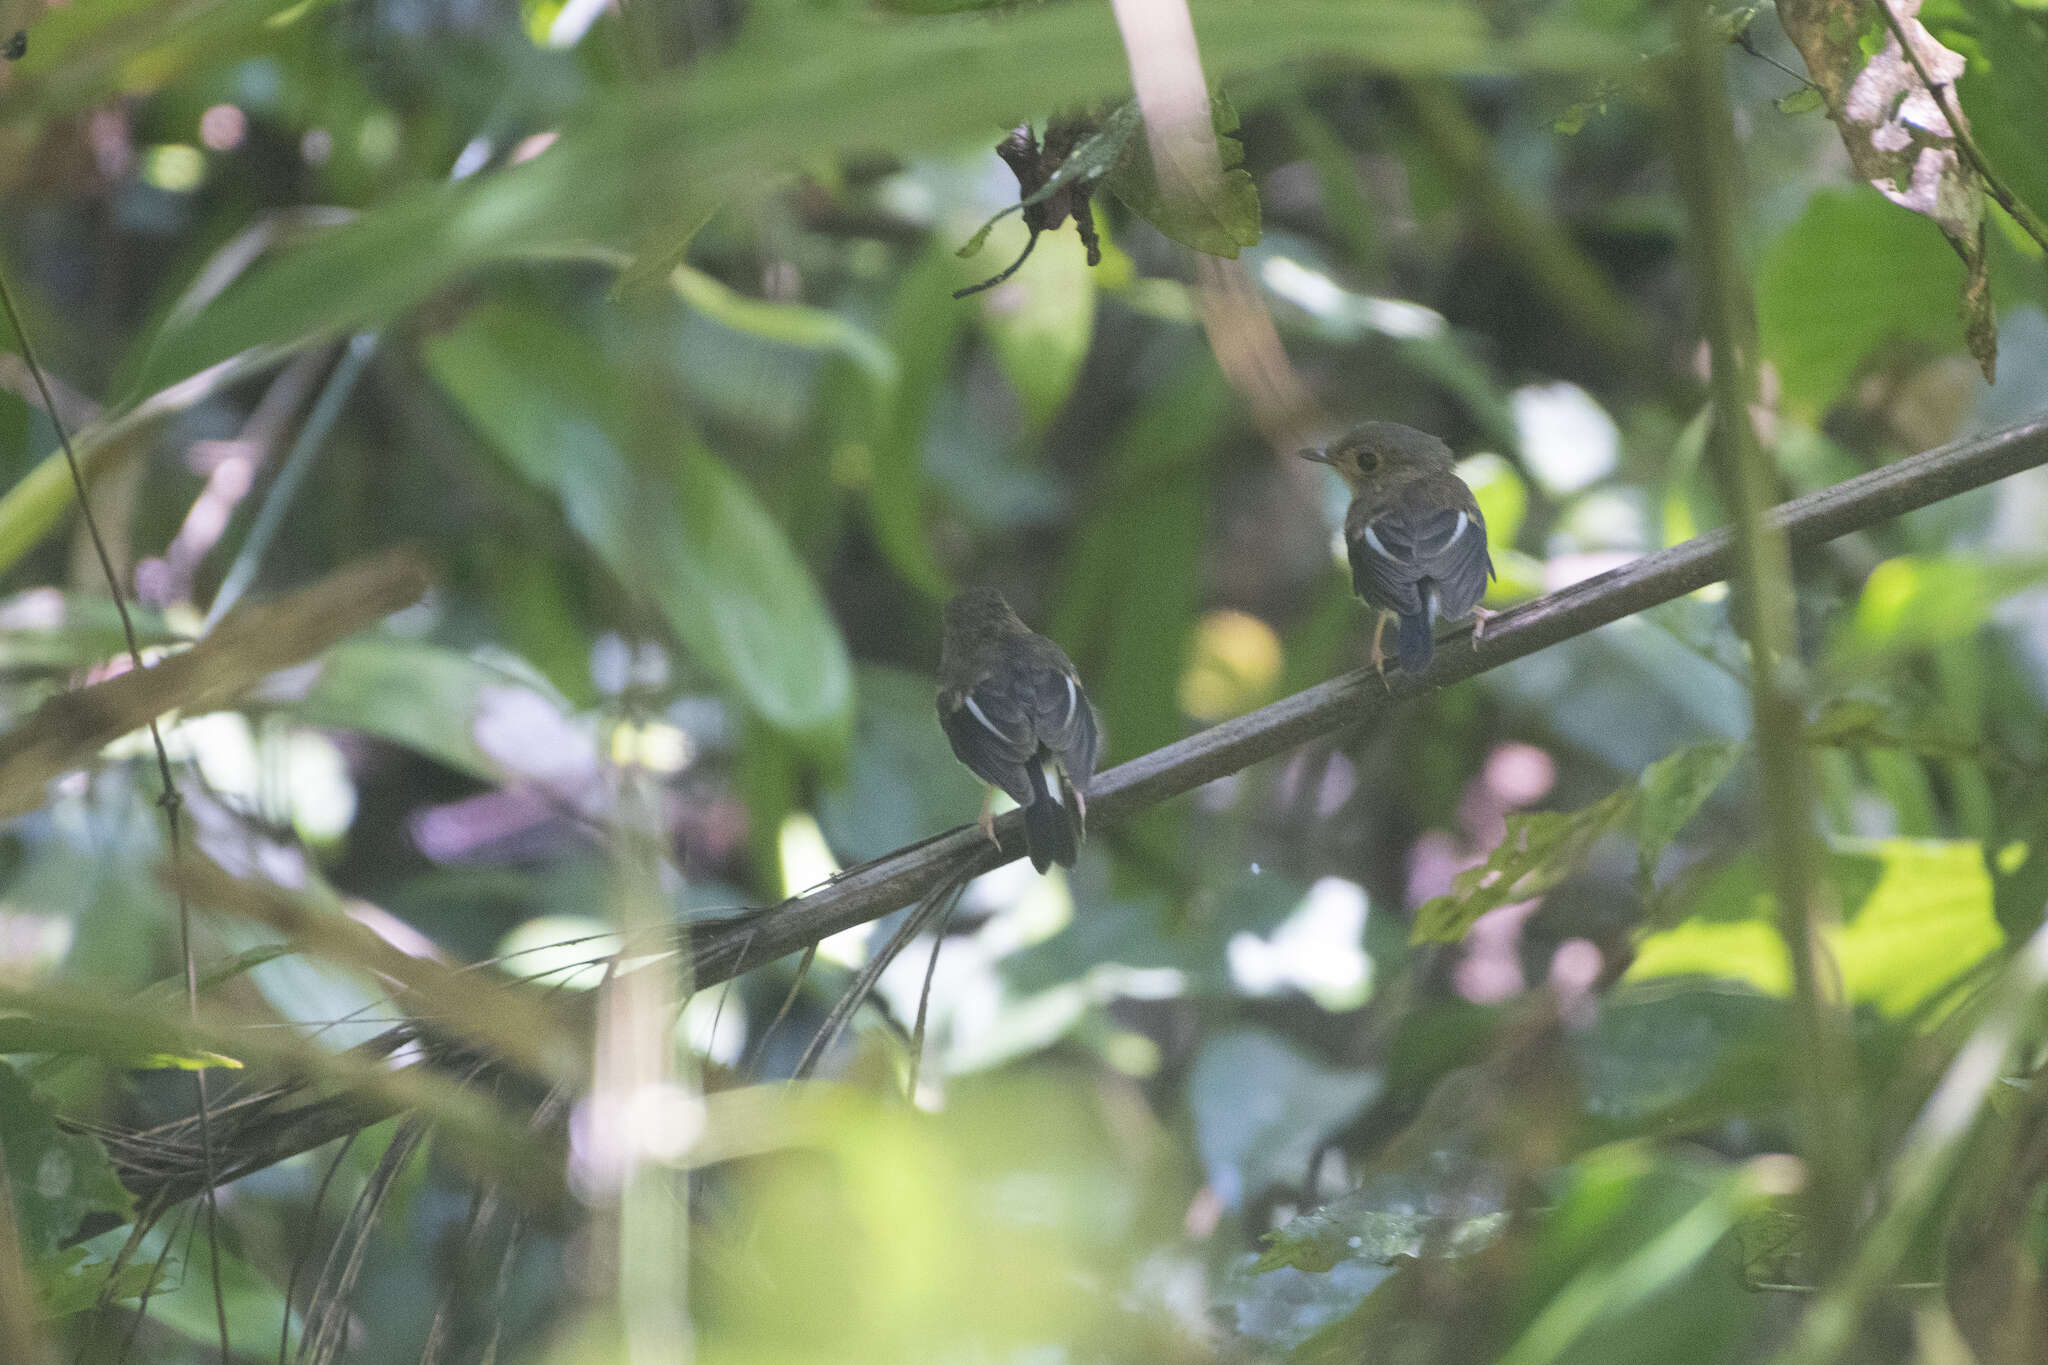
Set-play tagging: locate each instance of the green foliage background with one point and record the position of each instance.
(1463, 1035)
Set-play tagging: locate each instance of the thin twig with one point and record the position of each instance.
(938, 902)
(270, 516)
(169, 800)
(924, 996)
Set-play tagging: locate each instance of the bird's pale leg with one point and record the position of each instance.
(1480, 616)
(1379, 657)
(987, 822)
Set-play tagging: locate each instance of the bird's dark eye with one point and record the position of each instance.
(1368, 461)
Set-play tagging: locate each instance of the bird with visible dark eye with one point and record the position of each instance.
(1015, 713)
(1414, 534)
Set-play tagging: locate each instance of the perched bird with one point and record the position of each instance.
(1414, 533)
(1013, 709)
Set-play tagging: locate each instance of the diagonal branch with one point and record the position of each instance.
(725, 948)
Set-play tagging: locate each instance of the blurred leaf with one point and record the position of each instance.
(902, 782)
(1804, 100)
(1261, 1109)
(1130, 584)
(797, 85)
(1777, 1249)
(1624, 1271)
(250, 643)
(70, 633)
(2004, 94)
(1865, 723)
(1503, 498)
(1040, 324)
(492, 722)
(20, 1034)
(1897, 135)
(1221, 224)
(89, 50)
(790, 324)
(56, 1178)
(1673, 790)
(1362, 1225)
(1916, 915)
(1657, 1059)
(1540, 850)
(712, 560)
(1850, 274)
(74, 1280)
(923, 331)
(1924, 601)
(1284, 1307)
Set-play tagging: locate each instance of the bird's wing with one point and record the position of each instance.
(1063, 719)
(1415, 537)
(991, 733)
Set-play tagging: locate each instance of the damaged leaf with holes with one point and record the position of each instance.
(1897, 128)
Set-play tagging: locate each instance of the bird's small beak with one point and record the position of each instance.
(1318, 455)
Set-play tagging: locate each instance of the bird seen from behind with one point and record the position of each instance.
(1414, 534)
(1015, 713)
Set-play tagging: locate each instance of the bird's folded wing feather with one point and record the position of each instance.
(992, 734)
(1393, 550)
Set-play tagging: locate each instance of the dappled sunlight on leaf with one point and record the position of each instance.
(1916, 917)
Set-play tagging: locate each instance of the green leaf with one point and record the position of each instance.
(1927, 601)
(477, 717)
(86, 52)
(1673, 789)
(1092, 158)
(1540, 850)
(1852, 273)
(1040, 324)
(923, 331)
(21, 1034)
(1130, 585)
(1804, 100)
(1916, 915)
(1261, 1108)
(1360, 1225)
(57, 1178)
(1914, 159)
(713, 561)
(1220, 223)
(2004, 92)
(797, 85)
(791, 324)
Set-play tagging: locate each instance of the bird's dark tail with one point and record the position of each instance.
(1052, 822)
(1417, 638)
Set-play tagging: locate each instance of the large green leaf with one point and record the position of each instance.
(1916, 915)
(1543, 848)
(1926, 601)
(689, 534)
(2004, 91)
(56, 1178)
(1221, 223)
(86, 51)
(800, 83)
(1850, 274)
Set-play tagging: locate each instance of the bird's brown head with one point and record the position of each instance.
(977, 616)
(1374, 452)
